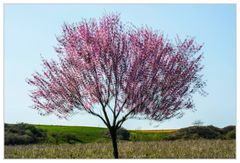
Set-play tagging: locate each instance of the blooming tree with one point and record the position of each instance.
(118, 72)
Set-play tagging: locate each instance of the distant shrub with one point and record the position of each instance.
(227, 129)
(196, 132)
(60, 137)
(123, 134)
(231, 134)
(197, 123)
(216, 129)
(70, 138)
(14, 139)
(55, 138)
(23, 134)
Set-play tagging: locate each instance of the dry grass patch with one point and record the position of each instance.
(153, 149)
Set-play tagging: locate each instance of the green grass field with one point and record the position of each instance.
(128, 149)
(95, 134)
(85, 134)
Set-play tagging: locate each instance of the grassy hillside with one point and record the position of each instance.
(72, 134)
(95, 134)
(83, 134)
(52, 134)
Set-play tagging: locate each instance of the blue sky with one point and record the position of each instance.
(30, 30)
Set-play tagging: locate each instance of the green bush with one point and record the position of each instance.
(14, 139)
(55, 138)
(216, 129)
(231, 134)
(204, 132)
(123, 134)
(196, 132)
(70, 138)
(58, 138)
(23, 134)
(227, 129)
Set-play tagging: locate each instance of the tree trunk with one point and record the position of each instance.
(113, 133)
